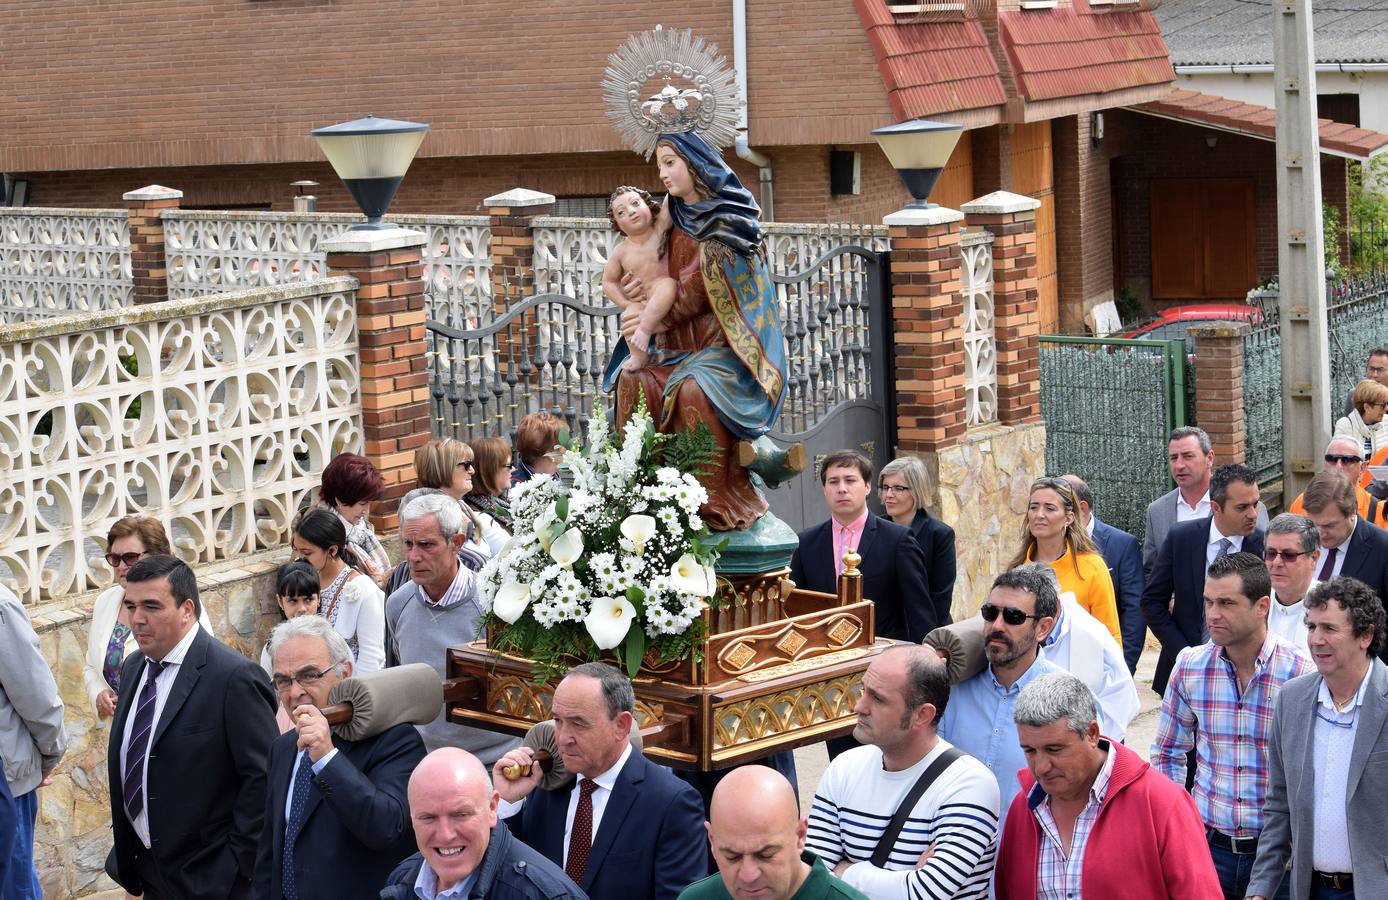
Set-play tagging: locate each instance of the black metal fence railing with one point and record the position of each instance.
(1109, 406)
(1262, 397)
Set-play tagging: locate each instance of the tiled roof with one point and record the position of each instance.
(1260, 122)
(934, 68)
(1066, 53)
(1237, 32)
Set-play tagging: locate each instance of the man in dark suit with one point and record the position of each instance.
(1124, 558)
(1173, 601)
(893, 567)
(337, 816)
(1349, 545)
(634, 829)
(188, 746)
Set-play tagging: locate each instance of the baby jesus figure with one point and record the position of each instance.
(644, 222)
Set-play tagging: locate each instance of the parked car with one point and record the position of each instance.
(1174, 322)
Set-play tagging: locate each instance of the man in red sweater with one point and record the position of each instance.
(1093, 819)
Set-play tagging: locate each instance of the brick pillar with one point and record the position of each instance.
(992, 158)
(145, 211)
(1011, 218)
(394, 364)
(513, 244)
(927, 328)
(1219, 387)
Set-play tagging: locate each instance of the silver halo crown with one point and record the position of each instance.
(706, 101)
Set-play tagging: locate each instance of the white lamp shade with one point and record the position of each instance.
(918, 144)
(371, 147)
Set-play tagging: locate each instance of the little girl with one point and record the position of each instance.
(644, 222)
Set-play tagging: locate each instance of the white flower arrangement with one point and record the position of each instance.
(610, 554)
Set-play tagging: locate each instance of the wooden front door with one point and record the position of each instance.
(1033, 174)
(1202, 238)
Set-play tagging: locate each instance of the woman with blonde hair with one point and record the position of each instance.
(1052, 534)
(1365, 423)
(904, 486)
(448, 465)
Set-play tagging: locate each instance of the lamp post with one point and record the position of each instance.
(919, 151)
(371, 157)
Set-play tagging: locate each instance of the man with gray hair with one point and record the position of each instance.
(437, 609)
(1292, 552)
(336, 817)
(1093, 818)
(1346, 456)
(400, 575)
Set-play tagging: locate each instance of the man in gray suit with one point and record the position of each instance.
(1191, 457)
(1327, 801)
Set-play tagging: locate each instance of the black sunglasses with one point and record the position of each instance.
(115, 559)
(1011, 615)
(1343, 460)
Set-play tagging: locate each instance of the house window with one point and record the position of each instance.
(581, 207)
(906, 12)
(1106, 5)
(1040, 4)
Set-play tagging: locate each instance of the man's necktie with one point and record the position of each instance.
(133, 779)
(581, 837)
(303, 781)
(1225, 545)
(842, 548)
(1329, 568)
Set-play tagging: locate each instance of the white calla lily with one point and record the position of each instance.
(609, 621)
(638, 529)
(712, 581)
(567, 548)
(510, 601)
(688, 576)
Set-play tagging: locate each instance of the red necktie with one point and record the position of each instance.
(581, 837)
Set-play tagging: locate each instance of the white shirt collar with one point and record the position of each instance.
(1090, 527)
(1216, 535)
(175, 656)
(1203, 501)
(1323, 693)
(607, 780)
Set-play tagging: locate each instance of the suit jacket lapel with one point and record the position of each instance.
(614, 814)
(129, 687)
(552, 823)
(866, 539)
(1371, 718)
(189, 671)
(1357, 549)
(822, 559)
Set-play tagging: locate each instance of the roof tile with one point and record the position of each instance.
(1066, 53)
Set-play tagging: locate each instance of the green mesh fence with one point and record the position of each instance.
(1109, 406)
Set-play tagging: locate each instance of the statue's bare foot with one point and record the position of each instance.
(773, 464)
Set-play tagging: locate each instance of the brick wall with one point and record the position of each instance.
(217, 82)
(1084, 230)
(458, 185)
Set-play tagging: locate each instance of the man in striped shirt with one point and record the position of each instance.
(947, 846)
(1219, 701)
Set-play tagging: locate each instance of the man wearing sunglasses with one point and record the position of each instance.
(1344, 455)
(1018, 614)
(1350, 546)
(1293, 553)
(337, 819)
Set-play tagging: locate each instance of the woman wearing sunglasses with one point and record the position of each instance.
(448, 466)
(1052, 534)
(110, 640)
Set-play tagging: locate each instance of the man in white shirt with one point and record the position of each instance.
(627, 827)
(1292, 551)
(1350, 545)
(947, 843)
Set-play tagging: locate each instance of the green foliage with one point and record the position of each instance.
(1129, 306)
(1368, 213)
(550, 651)
(692, 450)
(1332, 231)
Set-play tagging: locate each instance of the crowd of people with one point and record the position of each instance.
(988, 758)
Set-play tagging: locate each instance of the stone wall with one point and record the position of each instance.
(982, 486)
(73, 834)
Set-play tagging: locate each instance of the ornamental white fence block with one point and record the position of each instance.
(54, 262)
(980, 339)
(215, 415)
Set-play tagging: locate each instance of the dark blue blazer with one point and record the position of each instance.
(1366, 558)
(1123, 554)
(649, 844)
(206, 783)
(357, 825)
(1179, 573)
(893, 570)
(936, 540)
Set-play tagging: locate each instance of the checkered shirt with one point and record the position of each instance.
(1229, 731)
(1059, 877)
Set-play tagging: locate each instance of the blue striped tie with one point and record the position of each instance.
(303, 780)
(133, 781)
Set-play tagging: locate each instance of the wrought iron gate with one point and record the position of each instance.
(547, 352)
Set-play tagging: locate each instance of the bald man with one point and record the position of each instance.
(758, 840)
(463, 851)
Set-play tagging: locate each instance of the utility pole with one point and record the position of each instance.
(1300, 249)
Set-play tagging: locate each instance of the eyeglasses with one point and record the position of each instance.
(114, 560)
(1343, 460)
(894, 489)
(1288, 556)
(1010, 614)
(466, 464)
(306, 678)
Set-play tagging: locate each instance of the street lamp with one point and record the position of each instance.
(371, 157)
(919, 151)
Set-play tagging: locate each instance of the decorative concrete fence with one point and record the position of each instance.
(214, 414)
(54, 262)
